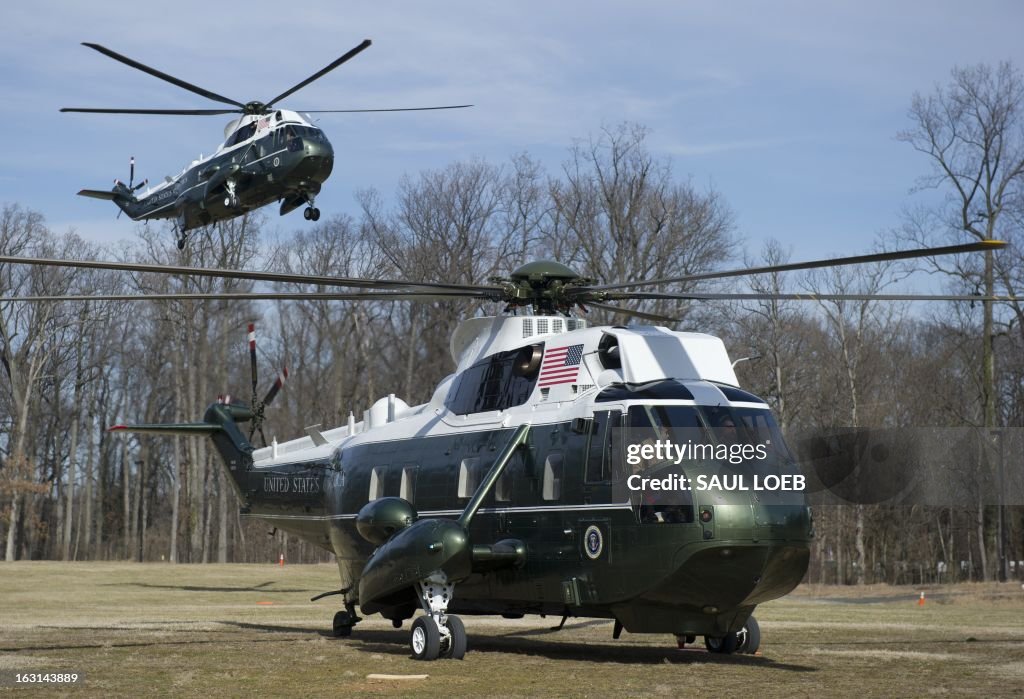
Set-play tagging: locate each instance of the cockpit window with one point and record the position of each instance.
(310, 133)
(676, 422)
(763, 429)
(706, 425)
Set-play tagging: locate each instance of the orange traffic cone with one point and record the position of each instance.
(920, 600)
(282, 565)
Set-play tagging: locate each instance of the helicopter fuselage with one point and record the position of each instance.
(691, 561)
(275, 157)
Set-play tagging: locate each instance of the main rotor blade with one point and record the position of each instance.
(176, 112)
(322, 72)
(806, 296)
(253, 275)
(267, 296)
(163, 76)
(813, 264)
(394, 109)
(630, 312)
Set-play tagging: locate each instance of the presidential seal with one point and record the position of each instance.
(593, 542)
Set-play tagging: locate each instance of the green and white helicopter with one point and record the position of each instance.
(512, 491)
(268, 155)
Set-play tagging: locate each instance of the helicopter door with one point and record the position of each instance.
(600, 457)
(594, 528)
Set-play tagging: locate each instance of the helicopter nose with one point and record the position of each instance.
(318, 161)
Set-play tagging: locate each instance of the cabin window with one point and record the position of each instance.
(469, 476)
(503, 488)
(502, 381)
(407, 491)
(377, 482)
(552, 486)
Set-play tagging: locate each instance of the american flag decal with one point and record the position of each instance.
(560, 365)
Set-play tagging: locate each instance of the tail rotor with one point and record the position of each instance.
(128, 191)
(131, 177)
(259, 406)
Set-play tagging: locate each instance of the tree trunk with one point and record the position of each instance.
(222, 517)
(175, 498)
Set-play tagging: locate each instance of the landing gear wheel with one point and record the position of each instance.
(722, 644)
(231, 202)
(343, 624)
(426, 639)
(749, 637)
(456, 649)
(307, 213)
(396, 623)
(315, 214)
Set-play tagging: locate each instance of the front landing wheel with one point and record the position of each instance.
(456, 649)
(722, 644)
(426, 639)
(749, 637)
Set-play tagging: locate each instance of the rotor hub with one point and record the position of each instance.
(544, 284)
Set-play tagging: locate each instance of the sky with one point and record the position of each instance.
(789, 110)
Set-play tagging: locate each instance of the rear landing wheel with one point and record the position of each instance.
(343, 624)
(307, 213)
(426, 639)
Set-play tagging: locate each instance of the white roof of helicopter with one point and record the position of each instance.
(278, 116)
(647, 354)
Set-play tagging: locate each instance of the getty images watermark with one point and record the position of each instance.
(835, 466)
(662, 452)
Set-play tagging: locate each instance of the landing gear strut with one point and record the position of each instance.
(231, 200)
(311, 213)
(179, 228)
(437, 634)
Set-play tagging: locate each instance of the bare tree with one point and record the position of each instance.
(973, 132)
(620, 215)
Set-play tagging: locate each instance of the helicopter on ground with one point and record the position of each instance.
(268, 154)
(511, 491)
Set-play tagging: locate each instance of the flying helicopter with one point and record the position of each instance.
(268, 154)
(508, 492)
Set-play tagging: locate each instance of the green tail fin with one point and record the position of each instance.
(99, 194)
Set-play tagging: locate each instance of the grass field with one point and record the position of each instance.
(233, 630)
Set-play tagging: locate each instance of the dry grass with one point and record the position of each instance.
(161, 630)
